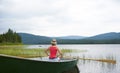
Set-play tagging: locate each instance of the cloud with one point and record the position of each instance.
(29, 8)
(60, 17)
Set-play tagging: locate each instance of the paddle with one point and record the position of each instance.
(100, 60)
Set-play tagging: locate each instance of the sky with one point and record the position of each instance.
(60, 17)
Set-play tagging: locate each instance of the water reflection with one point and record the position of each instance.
(91, 66)
(86, 66)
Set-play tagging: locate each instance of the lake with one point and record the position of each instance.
(95, 51)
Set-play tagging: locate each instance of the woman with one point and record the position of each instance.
(53, 51)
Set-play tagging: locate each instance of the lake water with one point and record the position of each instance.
(95, 51)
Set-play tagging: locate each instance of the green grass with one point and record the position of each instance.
(8, 43)
(22, 51)
(72, 50)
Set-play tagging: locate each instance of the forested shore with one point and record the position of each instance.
(10, 37)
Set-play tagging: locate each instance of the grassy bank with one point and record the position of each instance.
(22, 51)
(5, 44)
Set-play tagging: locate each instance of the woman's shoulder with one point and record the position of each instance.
(53, 46)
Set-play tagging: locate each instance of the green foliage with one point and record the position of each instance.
(10, 37)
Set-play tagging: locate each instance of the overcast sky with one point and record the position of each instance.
(60, 17)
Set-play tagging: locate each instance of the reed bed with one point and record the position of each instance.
(22, 51)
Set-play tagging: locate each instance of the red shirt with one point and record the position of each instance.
(53, 51)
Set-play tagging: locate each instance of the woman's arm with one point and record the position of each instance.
(60, 53)
(46, 51)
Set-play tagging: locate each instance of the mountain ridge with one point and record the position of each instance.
(110, 35)
(70, 37)
(33, 39)
(105, 38)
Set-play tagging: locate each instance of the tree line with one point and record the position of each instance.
(89, 41)
(10, 37)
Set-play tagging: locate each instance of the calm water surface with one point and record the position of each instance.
(106, 51)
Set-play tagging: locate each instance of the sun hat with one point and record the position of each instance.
(54, 42)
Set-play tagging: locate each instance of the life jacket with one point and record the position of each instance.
(53, 52)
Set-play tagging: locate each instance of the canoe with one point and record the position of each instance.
(12, 64)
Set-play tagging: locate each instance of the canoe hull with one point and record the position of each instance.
(19, 65)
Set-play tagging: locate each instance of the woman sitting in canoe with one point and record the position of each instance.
(53, 50)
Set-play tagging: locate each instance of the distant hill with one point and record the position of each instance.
(34, 39)
(106, 38)
(70, 37)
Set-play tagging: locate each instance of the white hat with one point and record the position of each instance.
(54, 42)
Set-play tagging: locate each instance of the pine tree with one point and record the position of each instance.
(10, 37)
(0, 38)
